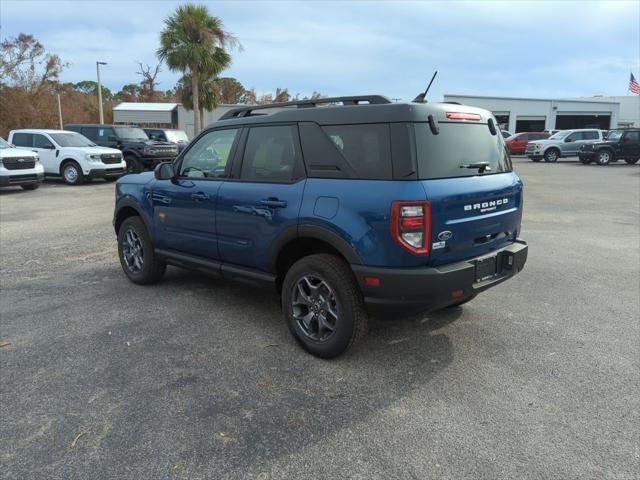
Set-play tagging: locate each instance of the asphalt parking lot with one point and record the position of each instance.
(198, 379)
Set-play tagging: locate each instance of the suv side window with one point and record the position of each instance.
(525, 137)
(590, 135)
(209, 155)
(90, 132)
(23, 140)
(633, 136)
(157, 135)
(39, 141)
(365, 147)
(269, 154)
(105, 133)
(575, 136)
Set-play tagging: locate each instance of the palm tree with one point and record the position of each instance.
(209, 94)
(194, 42)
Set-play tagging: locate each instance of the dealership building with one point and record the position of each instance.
(514, 114)
(517, 114)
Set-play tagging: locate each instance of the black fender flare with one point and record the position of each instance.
(315, 232)
(127, 202)
(130, 152)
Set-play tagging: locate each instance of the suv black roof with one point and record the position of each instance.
(378, 109)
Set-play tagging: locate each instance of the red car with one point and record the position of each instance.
(518, 143)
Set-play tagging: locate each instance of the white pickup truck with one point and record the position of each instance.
(19, 167)
(70, 155)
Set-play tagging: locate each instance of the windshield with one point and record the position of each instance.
(614, 135)
(560, 134)
(176, 136)
(4, 143)
(131, 133)
(445, 155)
(72, 139)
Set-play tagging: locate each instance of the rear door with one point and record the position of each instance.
(631, 144)
(472, 213)
(263, 196)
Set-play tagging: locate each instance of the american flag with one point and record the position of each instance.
(633, 85)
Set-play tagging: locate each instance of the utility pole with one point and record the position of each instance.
(100, 91)
(60, 112)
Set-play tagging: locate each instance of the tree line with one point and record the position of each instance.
(193, 42)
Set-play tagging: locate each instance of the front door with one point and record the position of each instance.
(184, 209)
(264, 197)
(47, 152)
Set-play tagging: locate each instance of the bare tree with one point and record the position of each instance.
(148, 84)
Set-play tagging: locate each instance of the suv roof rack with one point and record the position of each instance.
(310, 103)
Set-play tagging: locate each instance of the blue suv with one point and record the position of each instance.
(340, 204)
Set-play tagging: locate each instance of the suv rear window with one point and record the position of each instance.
(366, 148)
(457, 144)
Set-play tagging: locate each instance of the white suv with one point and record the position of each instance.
(70, 155)
(19, 167)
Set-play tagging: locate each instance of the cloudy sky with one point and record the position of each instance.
(537, 49)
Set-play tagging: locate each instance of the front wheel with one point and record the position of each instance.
(133, 164)
(323, 305)
(604, 157)
(551, 155)
(136, 252)
(631, 161)
(72, 174)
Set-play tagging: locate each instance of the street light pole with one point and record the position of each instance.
(100, 91)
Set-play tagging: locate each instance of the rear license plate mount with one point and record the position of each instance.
(486, 268)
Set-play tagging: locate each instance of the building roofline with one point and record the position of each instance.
(494, 97)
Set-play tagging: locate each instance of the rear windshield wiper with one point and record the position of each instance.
(481, 166)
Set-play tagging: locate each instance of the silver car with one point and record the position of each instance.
(565, 143)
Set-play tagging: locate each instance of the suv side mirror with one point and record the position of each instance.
(568, 139)
(164, 171)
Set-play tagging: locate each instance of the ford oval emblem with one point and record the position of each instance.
(444, 236)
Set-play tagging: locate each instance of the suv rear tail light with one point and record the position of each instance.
(463, 116)
(411, 226)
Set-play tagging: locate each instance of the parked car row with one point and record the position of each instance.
(81, 152)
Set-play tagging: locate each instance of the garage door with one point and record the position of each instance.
(530, 124)
(570, 121)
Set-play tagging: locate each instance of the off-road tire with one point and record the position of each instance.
(604, 157)
(352, 318)
(152, 268)
(134, 165)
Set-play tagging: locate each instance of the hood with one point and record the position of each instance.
(16, 153)
(153, 143)
(137, 178)
(97, 150)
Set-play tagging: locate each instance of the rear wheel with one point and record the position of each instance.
(323, 305)
(631, 161)
(72, 174)
(136, 252)
(551, 155)
(604, 157)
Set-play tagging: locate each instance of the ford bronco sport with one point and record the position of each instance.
(140, 153)
(342, 209)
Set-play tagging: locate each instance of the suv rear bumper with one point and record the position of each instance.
(432, 288)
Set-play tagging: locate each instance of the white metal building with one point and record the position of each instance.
(147, 114)
(536, 114)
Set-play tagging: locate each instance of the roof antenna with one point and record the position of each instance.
(422, 97)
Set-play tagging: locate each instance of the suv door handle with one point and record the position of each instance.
(199, 196)
(273, 202)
